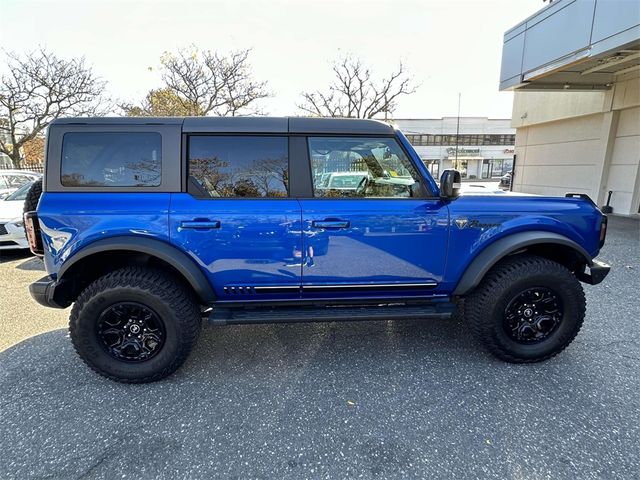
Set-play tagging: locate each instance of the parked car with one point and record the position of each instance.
(11, 180)
(12, 234)
(479, 189)
(505, 181)
(150, 225)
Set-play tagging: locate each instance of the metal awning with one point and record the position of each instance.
(572, 45)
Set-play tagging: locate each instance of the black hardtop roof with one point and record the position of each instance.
(311, 125)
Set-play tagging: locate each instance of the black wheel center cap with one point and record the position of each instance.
(528, 313)
(135, 329)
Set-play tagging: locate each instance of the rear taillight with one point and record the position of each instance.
(603, 230)
(33, 233)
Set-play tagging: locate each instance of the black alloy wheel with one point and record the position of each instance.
(131, 332)
(533, 315)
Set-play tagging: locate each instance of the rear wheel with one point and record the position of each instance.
(135, 325)
(33, 197)
(527, 309)
(31, 200)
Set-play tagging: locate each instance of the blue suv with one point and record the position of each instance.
(149, 225)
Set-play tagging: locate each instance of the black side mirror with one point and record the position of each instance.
(450, 184)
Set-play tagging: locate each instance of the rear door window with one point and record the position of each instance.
(111, 159)
(238, 166)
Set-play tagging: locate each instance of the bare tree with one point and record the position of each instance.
(161, 102)
(204, 83)
(38, 88)
(355, 93)
(268, 173)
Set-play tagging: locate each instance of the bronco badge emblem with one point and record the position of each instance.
(474, 223)
(461, 222)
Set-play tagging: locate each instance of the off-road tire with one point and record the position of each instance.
(33, 197)
(172, 301)
(458, 314)
(31, 200)
(485, 307)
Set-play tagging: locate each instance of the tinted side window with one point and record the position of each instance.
(238, 166)
(360, 167)
(109, 159)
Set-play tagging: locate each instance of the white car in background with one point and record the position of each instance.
(11, 180)
(480, 188)
(11, 223)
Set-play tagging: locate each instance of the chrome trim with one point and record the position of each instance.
(277, 287)
(370, 285)
(297, 288)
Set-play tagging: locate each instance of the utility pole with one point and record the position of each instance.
(457, 131)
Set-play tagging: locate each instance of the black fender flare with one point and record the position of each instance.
(155, 248)
(499, 249)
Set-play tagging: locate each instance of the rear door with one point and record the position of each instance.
(374, 234)
(236, 218)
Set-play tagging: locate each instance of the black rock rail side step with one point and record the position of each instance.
(223, 316)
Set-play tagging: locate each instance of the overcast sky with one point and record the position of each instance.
(450, 46)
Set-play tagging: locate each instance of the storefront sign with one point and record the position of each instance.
(463, 151)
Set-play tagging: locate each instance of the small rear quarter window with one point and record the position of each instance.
(111, 159)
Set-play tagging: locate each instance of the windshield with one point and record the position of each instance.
(21, 193)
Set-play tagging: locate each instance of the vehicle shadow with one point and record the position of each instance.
(33, 263)
(15, 254)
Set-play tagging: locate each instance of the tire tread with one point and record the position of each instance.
(478, 304)
(156, 283)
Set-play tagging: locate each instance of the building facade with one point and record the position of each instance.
(575, 69)
(482, 149)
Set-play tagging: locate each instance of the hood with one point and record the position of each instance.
(10, 210)
(576, 218)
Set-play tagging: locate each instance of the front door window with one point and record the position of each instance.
(360, 167)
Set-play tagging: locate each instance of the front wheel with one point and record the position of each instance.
(527, 309)
(135, 325)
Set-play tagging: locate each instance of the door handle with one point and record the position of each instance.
(331, 224)
(199, 224)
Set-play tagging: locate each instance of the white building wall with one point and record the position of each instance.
(623, 175)
(581, 142)
(557, 157)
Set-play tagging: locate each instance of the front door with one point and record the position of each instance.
(236, 218)
(366, 232)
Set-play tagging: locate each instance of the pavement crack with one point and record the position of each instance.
(107, 453)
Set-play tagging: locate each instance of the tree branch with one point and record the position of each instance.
(353, 92)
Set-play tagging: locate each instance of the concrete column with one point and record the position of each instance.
(520, 149)
(604, 154)
(635, 200)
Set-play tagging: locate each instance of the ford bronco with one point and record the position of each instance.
(150, 225)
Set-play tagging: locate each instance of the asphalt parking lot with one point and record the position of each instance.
(414, 399)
